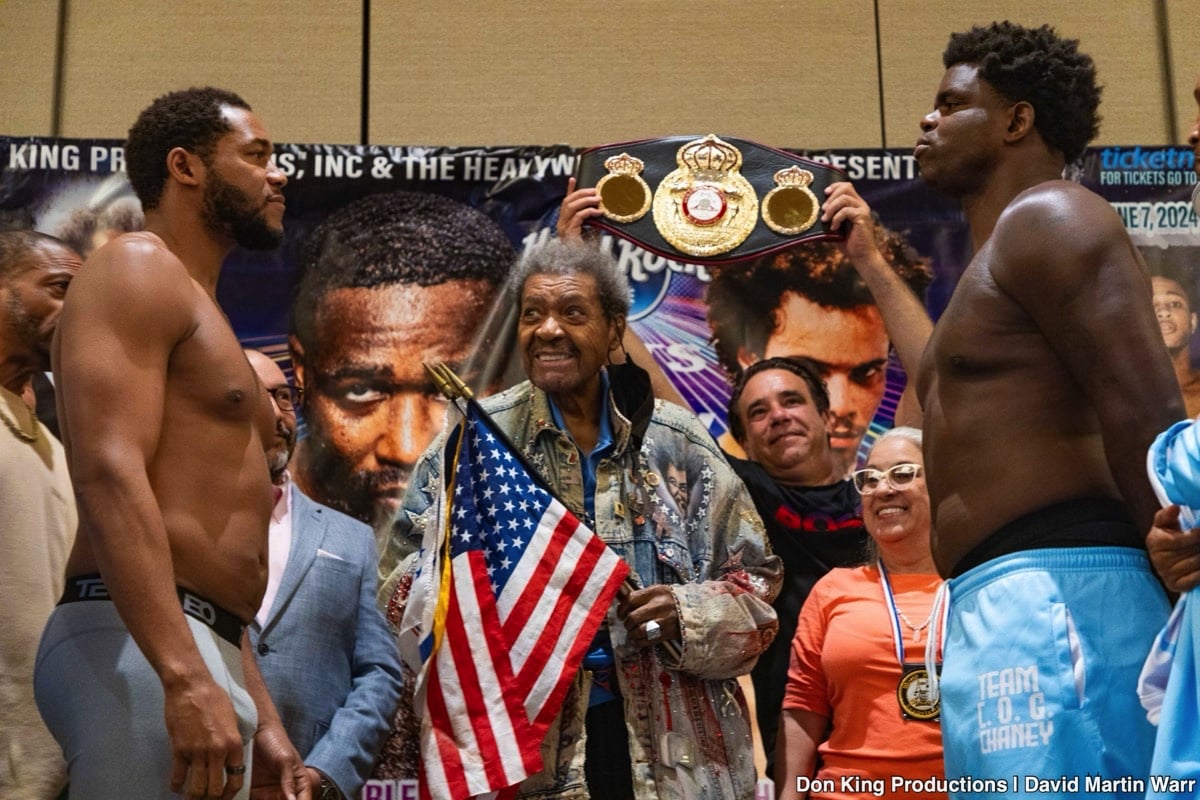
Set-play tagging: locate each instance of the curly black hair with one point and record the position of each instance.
(189, 118)
(1037, 66)
(804, 368)
(743, 301)
(396, 238)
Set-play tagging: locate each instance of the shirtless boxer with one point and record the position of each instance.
(165, 426)
(1042, 385)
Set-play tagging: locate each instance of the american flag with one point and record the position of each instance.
(509, 591)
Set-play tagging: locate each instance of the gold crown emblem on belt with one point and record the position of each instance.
(624, 195)
(791, 207)
(706, 207)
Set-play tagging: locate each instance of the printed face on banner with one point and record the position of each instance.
(88, 216)
(1176, 320)
(850, 346)
(370, 408)
(1173, 285)
(809, 301)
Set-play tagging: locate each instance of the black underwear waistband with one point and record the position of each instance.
(224, 624)
(1084, 522)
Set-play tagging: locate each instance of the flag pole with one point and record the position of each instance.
(571, 569)
(453, 388)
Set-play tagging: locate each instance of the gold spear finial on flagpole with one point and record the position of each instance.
(447, 382)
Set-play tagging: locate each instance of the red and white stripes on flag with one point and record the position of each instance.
(509, 592)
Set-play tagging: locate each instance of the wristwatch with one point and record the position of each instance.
(327, 790)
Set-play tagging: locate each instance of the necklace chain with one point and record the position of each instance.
(916, 629)
(28, 438)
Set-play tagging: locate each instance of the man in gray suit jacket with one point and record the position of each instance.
(323, 648)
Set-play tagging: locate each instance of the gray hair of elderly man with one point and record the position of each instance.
(576, 257)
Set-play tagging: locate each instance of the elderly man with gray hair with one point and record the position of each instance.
(658, 696)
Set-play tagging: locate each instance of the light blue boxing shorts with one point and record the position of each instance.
(1039, 682)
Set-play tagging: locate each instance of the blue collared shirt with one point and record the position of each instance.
(600, 657)
(604, 445)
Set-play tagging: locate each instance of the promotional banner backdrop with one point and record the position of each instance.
(75, 189)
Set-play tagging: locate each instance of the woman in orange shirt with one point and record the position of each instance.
(857, 717)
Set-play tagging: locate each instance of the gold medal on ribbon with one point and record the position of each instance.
(913, 695)
(624, 194)
(706, 206)
(791, 207)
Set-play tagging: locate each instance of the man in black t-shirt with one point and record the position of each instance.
(779, 414)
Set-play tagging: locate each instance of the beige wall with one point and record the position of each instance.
(28, 29)
(447, 73)
(296, 61)
(1183, 27)
(800, 74)
(1122, 36)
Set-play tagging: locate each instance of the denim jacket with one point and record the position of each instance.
(688, 725)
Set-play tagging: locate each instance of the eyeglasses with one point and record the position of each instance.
(285, 397)
(899, 477)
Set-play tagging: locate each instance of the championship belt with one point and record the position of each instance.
(707, 200)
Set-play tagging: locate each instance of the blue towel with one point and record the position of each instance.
(1174, 467)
